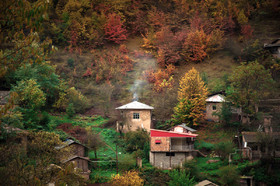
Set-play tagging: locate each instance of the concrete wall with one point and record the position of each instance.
(161, 160)
(130, 124)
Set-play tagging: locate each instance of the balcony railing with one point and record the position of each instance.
(182, 147)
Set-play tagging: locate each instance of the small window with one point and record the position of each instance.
(170, 154)
(214, 107)
(136, 116)
(158, 141)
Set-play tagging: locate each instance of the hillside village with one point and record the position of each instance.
(137, 92)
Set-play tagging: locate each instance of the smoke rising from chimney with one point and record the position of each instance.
(136, 88)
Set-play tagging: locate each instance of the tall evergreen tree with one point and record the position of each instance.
(192, 94)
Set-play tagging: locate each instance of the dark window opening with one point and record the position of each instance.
(214, 107)
(170, 154)
(136, 116)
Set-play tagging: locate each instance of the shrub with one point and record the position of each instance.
(154, 176)
(126, 162)
(223, 149)
(70, 111)
(70, 62)
(180, 178)
(228, 175)
(130, 178)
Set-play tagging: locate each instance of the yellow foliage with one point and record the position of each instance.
(192, 96)
(130, 178)
(242, 19)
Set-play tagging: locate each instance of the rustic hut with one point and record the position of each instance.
(274, 47)
(81, 163)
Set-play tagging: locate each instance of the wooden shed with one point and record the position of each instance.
(81, 163)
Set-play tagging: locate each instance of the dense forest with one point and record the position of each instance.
(67, 64)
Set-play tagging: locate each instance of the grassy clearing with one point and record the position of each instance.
(214, 133)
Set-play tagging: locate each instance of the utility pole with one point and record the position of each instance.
(117, 168)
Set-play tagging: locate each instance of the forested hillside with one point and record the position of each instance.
(64, 58)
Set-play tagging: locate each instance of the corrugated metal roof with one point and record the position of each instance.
(163, 133)
(75, 157)
(218, 98)
(135, 105)
(186, 127)
(67, 143)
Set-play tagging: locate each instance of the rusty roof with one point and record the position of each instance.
(253, 136)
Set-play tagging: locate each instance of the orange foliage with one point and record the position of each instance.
(114, 29)
(161, 78)
(198, 45)
(111, 65)
(247, 31)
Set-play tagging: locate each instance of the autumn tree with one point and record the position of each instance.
(249, 84)
(35, 161)
(114, 29)
(20, 21)
(192, 94)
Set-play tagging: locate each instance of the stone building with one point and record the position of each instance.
(135, 115)
(171, 148)
(214, 104)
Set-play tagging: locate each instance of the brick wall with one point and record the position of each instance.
(163, 146)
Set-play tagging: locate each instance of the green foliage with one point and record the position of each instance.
(249, 83)
(126, 162)
(228, 176)
(223, 149)
(13, 119)
(191, 166)
(225, 115)
(101, 176)
(70, 62)
(180, 178)
(136, 140)
(204, 145)
(30, 95)
(70, 111)
(45, 77)
(154, 176)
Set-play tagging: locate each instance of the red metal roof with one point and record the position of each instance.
(162, 133)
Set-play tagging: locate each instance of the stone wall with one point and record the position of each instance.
(131, 124)
(209, 111)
